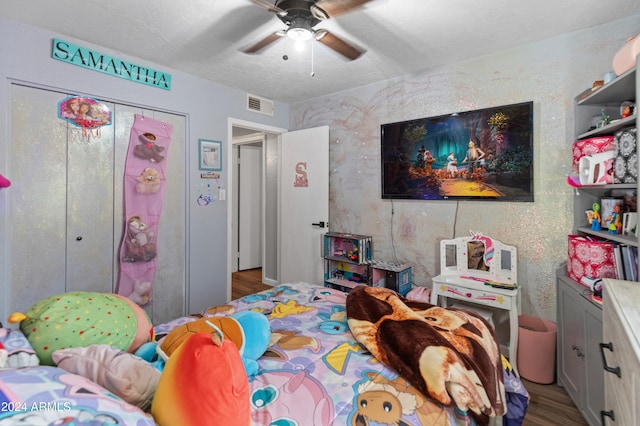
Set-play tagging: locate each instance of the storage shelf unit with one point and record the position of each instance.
(396, 277)
(579, 363)
(347, 260)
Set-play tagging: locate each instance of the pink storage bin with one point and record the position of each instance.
(589, 257)
(591, 146)
(536, 349)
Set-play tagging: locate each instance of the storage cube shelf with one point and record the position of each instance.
(392, 276)
(579, 318)
(347, 260)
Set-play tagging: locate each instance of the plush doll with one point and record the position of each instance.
(80, 319)
(141, 293)
(148, 181)
(148, 352)
(257, 333)
(148, 150)
(248, 330)
(203, 383)
(139, 243)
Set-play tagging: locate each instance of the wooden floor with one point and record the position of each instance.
(549, 404)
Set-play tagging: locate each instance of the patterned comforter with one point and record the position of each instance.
(315, 372)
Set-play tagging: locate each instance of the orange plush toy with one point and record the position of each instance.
(203, 382)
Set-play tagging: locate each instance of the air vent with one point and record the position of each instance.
(261, 105)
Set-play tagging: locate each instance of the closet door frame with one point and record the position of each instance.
(57, 179)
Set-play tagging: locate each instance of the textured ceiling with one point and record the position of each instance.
(203, 37)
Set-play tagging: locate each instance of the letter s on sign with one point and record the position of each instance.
(60, 49)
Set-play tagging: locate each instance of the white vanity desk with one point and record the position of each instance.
(455, 262)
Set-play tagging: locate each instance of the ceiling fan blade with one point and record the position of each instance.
(325, 9)
(339, 45)
(264, 42)
(272, 7)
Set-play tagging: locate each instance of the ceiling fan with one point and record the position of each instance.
(301, 16)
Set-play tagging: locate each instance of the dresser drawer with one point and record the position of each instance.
(484, 297)
(620, 392)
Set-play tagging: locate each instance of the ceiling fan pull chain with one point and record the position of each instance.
(285, 57)
(313, 73)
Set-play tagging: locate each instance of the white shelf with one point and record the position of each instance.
(630, 240)
(608, 98)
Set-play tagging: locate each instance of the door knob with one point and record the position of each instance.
(320, 224)
(78, 238)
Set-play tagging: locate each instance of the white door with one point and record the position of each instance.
(250, 207)
(304, 203)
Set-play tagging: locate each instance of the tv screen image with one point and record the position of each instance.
(486, 154)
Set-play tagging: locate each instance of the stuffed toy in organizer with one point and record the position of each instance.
(80, 319)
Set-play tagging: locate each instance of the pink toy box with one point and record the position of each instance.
(591, 146)
(588, 257)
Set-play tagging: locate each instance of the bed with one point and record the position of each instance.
(314, 372)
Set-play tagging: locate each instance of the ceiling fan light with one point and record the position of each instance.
(299, 34)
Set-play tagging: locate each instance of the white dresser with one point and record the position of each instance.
(621, 352)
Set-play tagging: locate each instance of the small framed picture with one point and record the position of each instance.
(210, 155)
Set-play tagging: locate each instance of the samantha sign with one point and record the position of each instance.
(69, 52)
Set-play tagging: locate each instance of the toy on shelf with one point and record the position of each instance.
(615, 226)
(627, 108)
(595, 217)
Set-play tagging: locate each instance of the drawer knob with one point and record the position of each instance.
(609, 414)
(614, 370)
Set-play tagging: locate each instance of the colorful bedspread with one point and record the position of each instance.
(316, 373)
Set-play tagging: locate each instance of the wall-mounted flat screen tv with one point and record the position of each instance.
(485, 154)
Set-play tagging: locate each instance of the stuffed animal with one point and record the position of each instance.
(80, 319)
(148, 150)
(139, 245)
(257, 334)
(248, 330)
(203, 383)
(141, 293)
(148, 181)
(148, 352)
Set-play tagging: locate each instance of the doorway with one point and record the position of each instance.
(295, 210)
(255, 139)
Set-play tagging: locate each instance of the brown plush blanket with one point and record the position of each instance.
(450, 355)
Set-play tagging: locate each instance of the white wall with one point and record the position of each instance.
(550, 73)
(25, 56)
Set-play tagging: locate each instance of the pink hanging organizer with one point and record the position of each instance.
(144, 185)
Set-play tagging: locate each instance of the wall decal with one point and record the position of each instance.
(96, 61)
(87, 113)
(301, 175)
